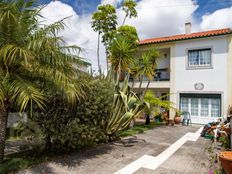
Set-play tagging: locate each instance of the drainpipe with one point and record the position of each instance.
(230, 132)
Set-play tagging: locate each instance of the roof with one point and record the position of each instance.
(186, 36)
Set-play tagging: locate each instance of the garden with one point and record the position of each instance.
(67, 109)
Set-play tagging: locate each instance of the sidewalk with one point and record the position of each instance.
(191, 158)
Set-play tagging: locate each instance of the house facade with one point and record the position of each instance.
(195, 69)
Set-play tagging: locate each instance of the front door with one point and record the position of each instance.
(203, 108)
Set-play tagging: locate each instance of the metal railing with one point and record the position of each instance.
(162, 74)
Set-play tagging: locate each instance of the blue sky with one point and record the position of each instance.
(205, 6)
(156, 18)
(209, 6)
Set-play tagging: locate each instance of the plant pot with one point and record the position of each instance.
(177, 120)
(165, 115)
(226, 161)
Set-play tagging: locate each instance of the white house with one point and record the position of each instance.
(196, 69)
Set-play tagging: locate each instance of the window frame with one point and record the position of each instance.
(210, 96)
(192, 67)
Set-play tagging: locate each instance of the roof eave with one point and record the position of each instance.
(174, 40)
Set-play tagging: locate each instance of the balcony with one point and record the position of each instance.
(160, 80)
(162, 74)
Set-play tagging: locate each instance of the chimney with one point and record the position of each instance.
(188, 28)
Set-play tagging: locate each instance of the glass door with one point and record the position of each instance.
(204, 107)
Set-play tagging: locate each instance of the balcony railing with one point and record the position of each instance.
(162, 74)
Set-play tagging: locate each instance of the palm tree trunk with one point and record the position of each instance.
(48, 145)
(124, 20)
(147, 119)
(133, 83)
(140, 85)
(107, 61)
(148, 83)
(3, 125)
(98, 52)
(118, 76)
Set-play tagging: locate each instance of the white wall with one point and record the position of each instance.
(214, 79)
(164, 62)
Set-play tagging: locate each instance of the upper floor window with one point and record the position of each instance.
(199, 58)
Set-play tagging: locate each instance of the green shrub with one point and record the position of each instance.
(68, 127)
(13, 165)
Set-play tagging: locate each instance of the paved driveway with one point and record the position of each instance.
(190, 158)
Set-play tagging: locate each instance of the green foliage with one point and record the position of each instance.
(80, 125)
(29, 52)
(145, 66)
(129, 8)
(126, 107)
(14, 164)
(138, 129)
(104, 21)
(225, 142)
(214, 165)
(129, 33)
(121, 54)
(148, 63)
(33, 60)
(21, 162)
(153, 104)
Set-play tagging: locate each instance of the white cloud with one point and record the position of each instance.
(78, 30)
(113, 2)
(218, 19)
(162, 17)
(155, 18)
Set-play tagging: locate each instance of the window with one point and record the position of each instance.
(215, 108)
(184, 104)
(201, 105)
(200, 58)
(164, 96)
(194, 106)
(204, 107)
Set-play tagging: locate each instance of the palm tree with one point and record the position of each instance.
(129, 8)
(104, 22)
(32, 56)
(146, 67)
(153, 105)
(121, 56)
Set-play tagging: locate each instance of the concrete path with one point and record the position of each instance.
(189, 158)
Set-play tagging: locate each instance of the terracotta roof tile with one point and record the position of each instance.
(187, 36)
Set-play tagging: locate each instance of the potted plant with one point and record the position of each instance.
(157, 117)
(165, 116)
(226, 161)
(177, 118)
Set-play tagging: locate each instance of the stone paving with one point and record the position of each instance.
(191, 158)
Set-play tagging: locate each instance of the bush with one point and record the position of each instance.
(68, 127)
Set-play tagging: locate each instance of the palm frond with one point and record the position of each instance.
(23, 91)
(12, 53)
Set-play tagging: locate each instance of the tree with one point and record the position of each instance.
(153, 105)
(129, 33)
(122, 50)
(32, 57)
(146, 66)
(104, 21)
(129, 9)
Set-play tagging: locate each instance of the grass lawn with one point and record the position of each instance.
(139, 128)
(19, 163)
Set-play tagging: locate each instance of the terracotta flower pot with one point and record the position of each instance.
(177, 120)
(226, 161)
